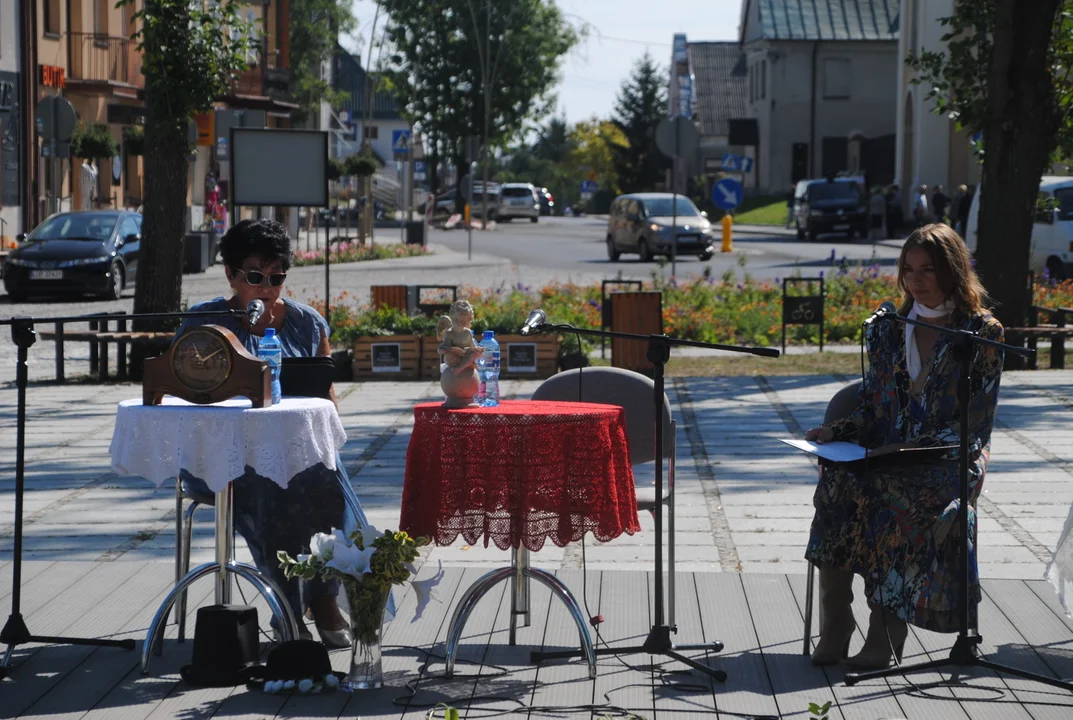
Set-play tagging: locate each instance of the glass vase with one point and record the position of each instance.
(367, 626)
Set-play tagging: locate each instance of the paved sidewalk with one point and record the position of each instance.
(744, 500)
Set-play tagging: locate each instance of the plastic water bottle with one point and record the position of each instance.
(271, 352)
(488, 371)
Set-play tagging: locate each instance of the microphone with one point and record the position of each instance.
(255, 310)
(536, 319)
(885, 309)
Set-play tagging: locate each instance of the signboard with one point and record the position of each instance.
(400, 142)
(737, 163)
(522, 357)
(727, 194)
(117, 168)
(802, 309)
(206, 130)
(589, 186)
(420, 170)
(386, 357)
(258, 155)
(52, 76)
(677, 136)
(226, 119)
(679, 54)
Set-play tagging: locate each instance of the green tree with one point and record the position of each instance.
(316, 25)
(190, 54)
(553, 142)
(641, 104)
(1005, 72)
(596, 143)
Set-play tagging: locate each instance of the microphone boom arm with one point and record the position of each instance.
(669, 341)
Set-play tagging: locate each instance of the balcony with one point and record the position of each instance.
(105, 60)
(263, 80)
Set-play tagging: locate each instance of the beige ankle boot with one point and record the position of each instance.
(836, 596)
(885, 631)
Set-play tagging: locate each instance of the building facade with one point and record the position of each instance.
(930, 149)
(12, 123)
(376, 125)
(819, 88)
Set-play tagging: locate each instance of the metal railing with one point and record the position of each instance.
(104, 58)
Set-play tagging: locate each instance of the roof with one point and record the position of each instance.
(828, 19)
(721, 85)
(349, 77)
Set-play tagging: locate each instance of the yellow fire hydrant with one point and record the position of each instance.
(728, 233)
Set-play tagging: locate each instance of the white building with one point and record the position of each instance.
(12, 132)
(820, 79)
(930, 151)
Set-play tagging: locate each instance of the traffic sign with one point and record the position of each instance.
(737, 163)
(677, 136)
(419, 170)
(727, 194)
(55, 119)
(400, 142)
(589, 186)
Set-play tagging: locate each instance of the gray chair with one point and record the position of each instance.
(841, 405)
(633, 393)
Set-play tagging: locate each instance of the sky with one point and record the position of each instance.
(620, 32)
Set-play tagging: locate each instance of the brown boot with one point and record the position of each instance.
(836, 596)
(885, 631)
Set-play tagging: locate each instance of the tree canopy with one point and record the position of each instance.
(315, 27)
(639, 108)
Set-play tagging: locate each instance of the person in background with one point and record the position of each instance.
(964, 205)
(896, 524)
(940, 201)
(920, 206)
(790, 207)
(894, 210)
(877, 208)
(256, 256)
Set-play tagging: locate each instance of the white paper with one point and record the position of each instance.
(833, 451)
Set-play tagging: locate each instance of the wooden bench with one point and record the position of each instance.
(100, 337)
(1056, 331)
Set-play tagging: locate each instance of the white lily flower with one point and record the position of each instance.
(303, 558)
(424, 588)
(369, 534)
(286, 684)
(349, 560)
(331, 680)
(273, 686)
(305, 685)
(322, 545)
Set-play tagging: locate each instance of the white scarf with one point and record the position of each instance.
(912, 352)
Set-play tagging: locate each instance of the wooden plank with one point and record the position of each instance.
(1044, 590)
(392, 296)
(795, 681)
(566, 683)
(685, 695)
(30, 570)
(626, 606)
(724, 615)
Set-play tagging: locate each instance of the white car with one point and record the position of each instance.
(519, 200)
(1052, 234)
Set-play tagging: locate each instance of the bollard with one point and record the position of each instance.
(465, 214)
(728, 233)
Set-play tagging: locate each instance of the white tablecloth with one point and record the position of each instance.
(217, 442)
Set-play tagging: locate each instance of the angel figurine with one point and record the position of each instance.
(458, 373)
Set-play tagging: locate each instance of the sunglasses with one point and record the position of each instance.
(256, 277)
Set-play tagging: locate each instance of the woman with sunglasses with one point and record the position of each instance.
(257, 255)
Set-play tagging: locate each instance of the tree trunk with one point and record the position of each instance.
(160, 277)
(1019, 136)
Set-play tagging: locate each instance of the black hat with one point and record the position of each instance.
(225, 646)
(294, 660)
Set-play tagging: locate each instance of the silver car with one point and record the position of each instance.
(644, 223)
(519, 200)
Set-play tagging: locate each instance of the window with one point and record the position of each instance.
(1064, 198)
(763, 79)
(371, 132)
(100, 17)
(52, 17)
(836, 79)
(129, 227)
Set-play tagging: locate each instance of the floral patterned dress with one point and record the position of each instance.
(897, 525)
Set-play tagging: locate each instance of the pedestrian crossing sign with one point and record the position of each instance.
(400, 142)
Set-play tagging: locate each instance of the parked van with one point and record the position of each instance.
(1052, 233)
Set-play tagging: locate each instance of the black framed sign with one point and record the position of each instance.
(386, 357)
(522, 357)
(802, 309)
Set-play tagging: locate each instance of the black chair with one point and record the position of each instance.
(298, 377)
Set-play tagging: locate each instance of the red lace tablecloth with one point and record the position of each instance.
(519, 474)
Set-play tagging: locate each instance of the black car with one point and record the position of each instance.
(834, 205)
(93, 252)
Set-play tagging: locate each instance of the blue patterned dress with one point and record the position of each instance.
(897, 525)
(271, 518)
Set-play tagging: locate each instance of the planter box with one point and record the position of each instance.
(387, 357)
(430, 358)
(521, 357)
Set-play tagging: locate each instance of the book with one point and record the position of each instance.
(853, 454)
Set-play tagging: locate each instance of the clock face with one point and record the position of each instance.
(201, 360)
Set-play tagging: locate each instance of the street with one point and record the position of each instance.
(578, 245)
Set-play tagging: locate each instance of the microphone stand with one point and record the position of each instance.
(23, 335)
(659, 640)
(964, 651)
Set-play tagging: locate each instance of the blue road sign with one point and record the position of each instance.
(400, 142)
(746, 164)
(730, 162)
(727, 193)
(589, 186)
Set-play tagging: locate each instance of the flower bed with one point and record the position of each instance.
(346, 252)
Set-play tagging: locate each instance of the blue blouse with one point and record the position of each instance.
(301, 335)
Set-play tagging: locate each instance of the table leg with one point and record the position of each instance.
(519, 590)
(223, 545)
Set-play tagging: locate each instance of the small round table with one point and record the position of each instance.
(216, 443)
(517, 475)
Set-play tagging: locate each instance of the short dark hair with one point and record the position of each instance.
(264, 238)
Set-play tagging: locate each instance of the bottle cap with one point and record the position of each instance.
(270, 332)
(489, 334)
